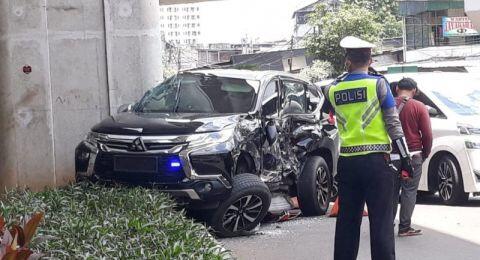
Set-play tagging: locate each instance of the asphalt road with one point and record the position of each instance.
(449, 233)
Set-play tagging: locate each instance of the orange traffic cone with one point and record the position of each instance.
(334, 211)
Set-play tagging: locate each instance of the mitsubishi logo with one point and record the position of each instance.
(138, 145)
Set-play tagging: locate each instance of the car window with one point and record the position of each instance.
(294, 101)
(313, 99)
(270, 99)
(198, 93)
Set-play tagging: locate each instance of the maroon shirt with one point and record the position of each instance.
(416, 126)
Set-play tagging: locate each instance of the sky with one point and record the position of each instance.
(228, 21)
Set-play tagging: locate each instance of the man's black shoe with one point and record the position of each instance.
(408, 232)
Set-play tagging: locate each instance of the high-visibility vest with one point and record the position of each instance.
(360, 119)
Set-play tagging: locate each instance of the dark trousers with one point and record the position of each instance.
(408, 189)
(365, 179)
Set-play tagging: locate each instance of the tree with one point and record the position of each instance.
(333, 25)
(319, 70)
(385, 12)
(381, 7)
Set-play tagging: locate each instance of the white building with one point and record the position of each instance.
(180, 24)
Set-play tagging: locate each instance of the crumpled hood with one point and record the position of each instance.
(164, 123)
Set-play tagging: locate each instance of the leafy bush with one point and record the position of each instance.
(88, 221)
(14, 241)
(319, 70)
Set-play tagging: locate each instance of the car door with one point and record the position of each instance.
(272, 164)
(293, 114)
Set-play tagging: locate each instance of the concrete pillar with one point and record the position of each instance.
(86, 58)
(134, 48)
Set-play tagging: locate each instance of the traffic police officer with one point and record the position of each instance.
(368, 126)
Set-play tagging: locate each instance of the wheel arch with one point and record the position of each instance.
(246, 159)
(326, 154)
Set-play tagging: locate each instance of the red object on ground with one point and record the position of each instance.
(334, 211)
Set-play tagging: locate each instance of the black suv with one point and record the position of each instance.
(222, 140)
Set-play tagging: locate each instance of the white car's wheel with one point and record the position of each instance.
(449, 181)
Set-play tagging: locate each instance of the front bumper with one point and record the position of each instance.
(93, 161)
(474, 156)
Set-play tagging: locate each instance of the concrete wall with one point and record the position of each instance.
(87, 58)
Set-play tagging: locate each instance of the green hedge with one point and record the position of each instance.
(92, 222)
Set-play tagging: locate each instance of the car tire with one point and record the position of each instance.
(246, 206)
(449, 181)
(314, 187)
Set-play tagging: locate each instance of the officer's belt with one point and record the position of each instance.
(366, 148)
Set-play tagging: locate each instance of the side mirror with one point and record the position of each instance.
(125, 108)
(432, 111)
(271, 133)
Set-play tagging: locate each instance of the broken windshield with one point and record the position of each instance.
(199, 93)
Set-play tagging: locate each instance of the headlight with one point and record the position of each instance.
(468, 129)
(472, 145)
(210, 138)
(93, 137)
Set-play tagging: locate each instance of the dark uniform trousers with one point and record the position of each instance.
(365, 179)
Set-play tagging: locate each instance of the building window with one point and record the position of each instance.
(169, 9)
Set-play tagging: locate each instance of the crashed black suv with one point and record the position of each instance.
(222, 140)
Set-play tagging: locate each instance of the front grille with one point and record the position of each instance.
(127, 146)
(133, 169)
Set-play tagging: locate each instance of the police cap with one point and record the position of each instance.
(351, 42)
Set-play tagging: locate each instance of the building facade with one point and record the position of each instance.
(437, 23)
(180, 24)
(301, 16)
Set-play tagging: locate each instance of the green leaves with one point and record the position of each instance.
(91, 222)
(14, 241)
(366, 19)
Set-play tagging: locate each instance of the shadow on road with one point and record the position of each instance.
(435, 200)
(312, 238)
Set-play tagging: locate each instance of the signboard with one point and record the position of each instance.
(458, 26)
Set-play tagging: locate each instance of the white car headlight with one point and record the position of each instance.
(212, 137)
(472, 144)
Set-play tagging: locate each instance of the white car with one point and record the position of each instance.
(453, 99)
(453, 168)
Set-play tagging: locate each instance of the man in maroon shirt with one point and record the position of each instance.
(418, 132)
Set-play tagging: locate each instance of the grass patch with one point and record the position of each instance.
(91, 222)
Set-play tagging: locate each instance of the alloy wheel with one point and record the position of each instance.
(242, 213)
(323, 193)
(445, 182)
